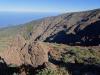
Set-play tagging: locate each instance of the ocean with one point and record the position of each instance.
(14, 18)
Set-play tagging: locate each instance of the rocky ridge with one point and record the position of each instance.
(44, 41)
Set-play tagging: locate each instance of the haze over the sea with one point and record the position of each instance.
(15, 12)
(15, 18)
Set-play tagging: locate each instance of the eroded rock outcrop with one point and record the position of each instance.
(35, 53)
(21, 52)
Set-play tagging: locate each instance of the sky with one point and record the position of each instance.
(60, 6)
(45, 7)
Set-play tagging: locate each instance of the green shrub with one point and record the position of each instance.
(62, 71)
(67, 58)
(47, 72)
(52, 72)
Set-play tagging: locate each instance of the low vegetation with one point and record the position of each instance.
(47, 71)
(78, 55)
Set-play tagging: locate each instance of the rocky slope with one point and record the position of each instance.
(71, 38)
(71, 28)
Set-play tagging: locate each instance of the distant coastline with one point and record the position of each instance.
(16, 18)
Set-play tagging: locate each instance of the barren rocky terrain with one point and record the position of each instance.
(67, 44)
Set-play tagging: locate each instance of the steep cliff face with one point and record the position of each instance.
(71, 28)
